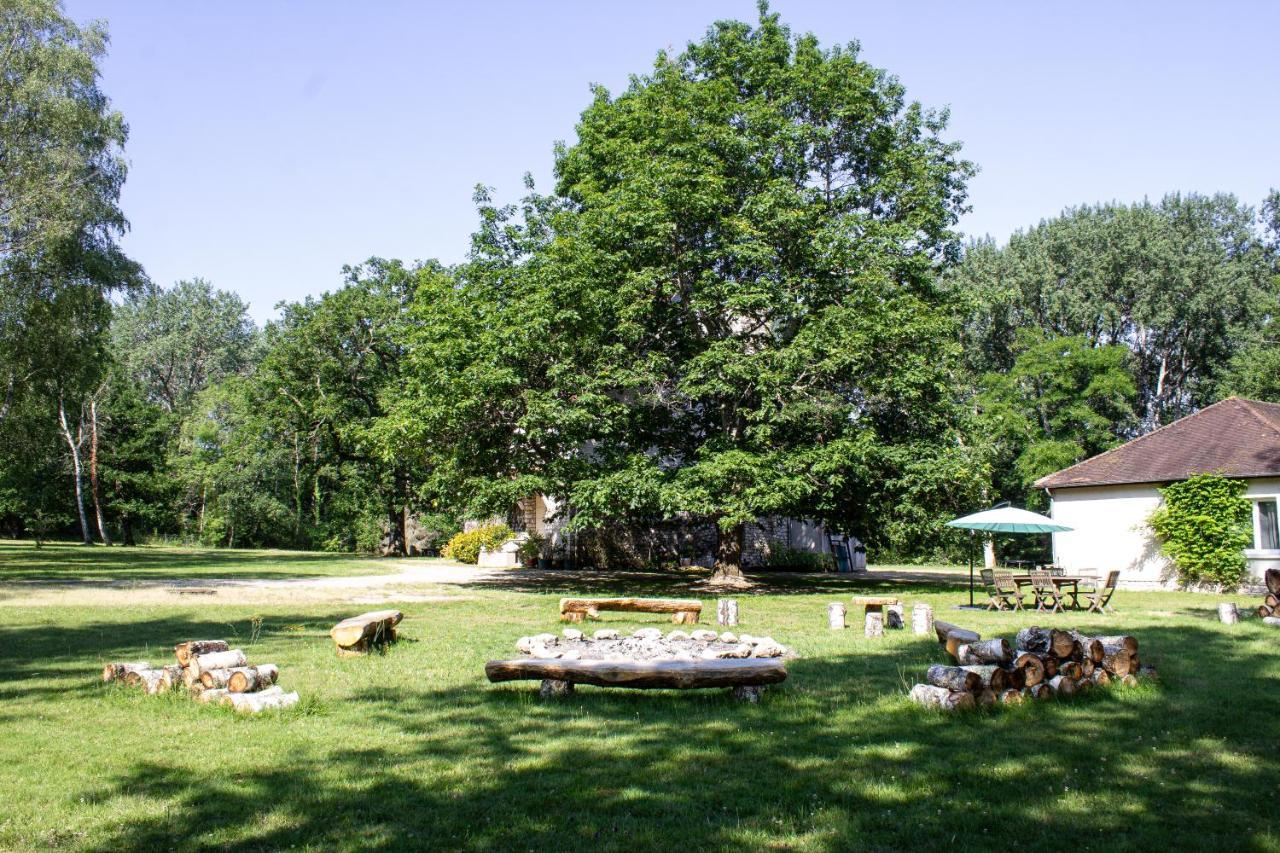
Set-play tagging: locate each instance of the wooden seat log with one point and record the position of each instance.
(644, 675)
(359, 634)
(684, 611)
(874, 603)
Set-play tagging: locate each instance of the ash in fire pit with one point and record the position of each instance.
(648, 644)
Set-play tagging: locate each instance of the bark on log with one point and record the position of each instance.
(1100, 677)
(213, 696)
(1050, 666)
(835, 616)
(173, 676)
(931, 696)
(874, 626)
(184, 651)
(1228, 613)
(1264, 612)
(1128, 642)
(1087, 667)
(256, 703)
(1071, 669)
(117, 671)
(1017, 677)
(212, 679)
(216, 660)
(1090, 647)
(1272, 601)
(945, 629)
(359, 633)
(921, 619)
(247, 679)
(992, 677)
(1273, 621)
(985, 697)
(953, 678)
(678, 675)
(1272, 579)
(997, 651)
(1011, 697)
(1046, 641)
(1062, 685)
(151, 681)
(1031, 665)
(727, 611)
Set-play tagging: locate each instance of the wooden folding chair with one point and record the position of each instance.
(994, 600)
(1007, 589)
(1046, 592)
(1097, 598)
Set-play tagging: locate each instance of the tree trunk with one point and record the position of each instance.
(729, 547)
(395, 532)
(126, 531)
(93, 472)
(673, 674)
(74, 445)
(989, 552)
(247, 679)
(726, 612)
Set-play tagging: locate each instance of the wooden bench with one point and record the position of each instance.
(874, 603)
(685, 611)
(359, 634)
(746, 677)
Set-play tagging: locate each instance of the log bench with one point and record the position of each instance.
(874, 603)
(359, 634)
(745, 677)
(684, 611)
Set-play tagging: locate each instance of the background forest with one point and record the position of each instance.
(745, 295)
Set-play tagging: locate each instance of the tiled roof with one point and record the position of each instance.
(1234, 437)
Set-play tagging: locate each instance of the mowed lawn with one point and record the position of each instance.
(414, 749)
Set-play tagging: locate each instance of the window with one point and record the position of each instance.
(1268, 531)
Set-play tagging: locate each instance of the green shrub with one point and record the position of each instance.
(783, 558)
(1204, 526)
(465, 547)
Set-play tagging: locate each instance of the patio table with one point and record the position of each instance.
(1068, 584)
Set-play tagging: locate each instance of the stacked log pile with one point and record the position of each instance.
(1269, 609)
(1041, 663)
(209, 671)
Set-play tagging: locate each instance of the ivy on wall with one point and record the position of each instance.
(1204, 525)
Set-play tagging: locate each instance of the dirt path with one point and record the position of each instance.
(413, 581)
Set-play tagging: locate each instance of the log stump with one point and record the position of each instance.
(727, 611)
(359, 635)
(835, 616)
(894, 615)
(1228, 613)
(874, 626)
(921, 619)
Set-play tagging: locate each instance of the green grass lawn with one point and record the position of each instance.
(415, 749)
(59, 561)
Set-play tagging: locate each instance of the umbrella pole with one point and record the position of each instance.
(970, 568)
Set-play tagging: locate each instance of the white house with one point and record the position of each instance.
(1107, 499)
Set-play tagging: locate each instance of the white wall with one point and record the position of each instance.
(1109, 531)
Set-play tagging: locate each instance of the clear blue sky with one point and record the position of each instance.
(273, 142)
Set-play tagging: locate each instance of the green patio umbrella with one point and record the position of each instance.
(1004, 519)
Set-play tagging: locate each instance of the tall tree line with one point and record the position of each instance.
(744, 295)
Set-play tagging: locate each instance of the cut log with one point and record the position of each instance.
(191, 678)
(1075, 654)
(117, 671)
(921, 619)
(1050, 666)
(1118, 661)
(1038, 691)
(931, 696)
(256, 703)
(997, 651)
(678, 675)
(184, 651)
(1228, 613)
(985, 697)
(1017, 677)
(247, 679)
(893, 616)
(151, 681)
(1100, 677)
(1272, 580)
(216, 660)
(1129, 680)
(1031, 665)
(1273, 621)
(211, 679)
(726, 611)
(359, 634)
(1128, 642)
(1264, 612)
(1272, 601)
(954, 678)
(835, 616)
(1062, 685)
(1011, 697)
(992, 677)
(874, 626)
(1070, 669)
(952, 637)
(1087, 667)
(173, 675)
(1046, 641)
(1090, 647)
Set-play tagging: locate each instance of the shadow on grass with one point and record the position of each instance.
(833, 759)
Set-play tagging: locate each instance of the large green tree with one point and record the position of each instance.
(728, 308)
